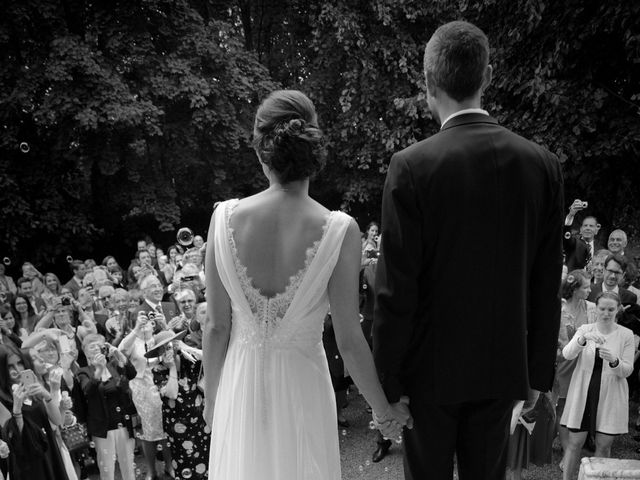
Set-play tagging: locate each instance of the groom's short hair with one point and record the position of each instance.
(456, 58)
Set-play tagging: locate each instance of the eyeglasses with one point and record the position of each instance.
(189, 278)
(614, 272)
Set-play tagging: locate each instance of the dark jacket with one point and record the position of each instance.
(479, 208)
(98, 414)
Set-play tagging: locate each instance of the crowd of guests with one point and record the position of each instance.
(596, 365)
(104, 365)
(109, 363)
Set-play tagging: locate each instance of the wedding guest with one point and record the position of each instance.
(144, 393)
(371, 236)
(31, 272)
(25, 287)
(579, 249)
(28, 433)
(194, 335)
(153, 293)
(9, 328)
(120, 323)
(614, 268)
(598, 397)
(576, 311)
(198, 242)
(90, 263)
(109, 406)
(597, 266)
(189, 277)
(6, 282)
(24, 313)
(51, 381)
(110, 262)
(186, 300)
(52, 289)
(78, 270)
(117, 277)
(182, 404)
(617, 242)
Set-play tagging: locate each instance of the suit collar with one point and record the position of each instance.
(468, 118)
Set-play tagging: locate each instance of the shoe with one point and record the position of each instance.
(381, 452)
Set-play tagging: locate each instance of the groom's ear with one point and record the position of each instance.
(430, 84)
(487, 77)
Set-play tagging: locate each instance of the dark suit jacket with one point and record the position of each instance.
(73, 286)
(478, 207)
(576, 250)
(94, 395)
(626, 297)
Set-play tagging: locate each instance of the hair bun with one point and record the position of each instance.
(287, 137)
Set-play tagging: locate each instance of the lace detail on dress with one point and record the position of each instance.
(269, 311)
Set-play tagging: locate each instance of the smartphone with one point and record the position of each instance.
(27, 377)
(65, 346)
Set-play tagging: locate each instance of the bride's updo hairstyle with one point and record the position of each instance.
(286, 136)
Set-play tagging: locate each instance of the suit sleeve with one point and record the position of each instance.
(544, 288)
(397, 276)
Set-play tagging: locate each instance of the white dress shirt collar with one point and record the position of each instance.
(464, 112)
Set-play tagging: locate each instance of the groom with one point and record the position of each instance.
(474, 209)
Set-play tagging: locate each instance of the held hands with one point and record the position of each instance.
(394, 420)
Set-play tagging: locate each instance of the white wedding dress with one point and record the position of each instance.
(275, 413)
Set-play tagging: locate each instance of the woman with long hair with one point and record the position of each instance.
(28, 432)
(24, 313)
(52, 289)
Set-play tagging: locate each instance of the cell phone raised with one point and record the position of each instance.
(27, 377)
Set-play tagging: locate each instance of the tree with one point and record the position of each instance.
(118, 116)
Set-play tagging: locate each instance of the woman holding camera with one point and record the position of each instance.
(144, 393)
(182, 403)
(598, 396)
(27, 414)
(104, 383)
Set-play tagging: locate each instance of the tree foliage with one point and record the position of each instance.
(138, 114)
(131, 113)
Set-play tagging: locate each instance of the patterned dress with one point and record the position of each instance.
(183, 423)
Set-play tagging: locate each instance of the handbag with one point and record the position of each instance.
(75, 436)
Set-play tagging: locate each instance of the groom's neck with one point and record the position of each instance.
(446, 106)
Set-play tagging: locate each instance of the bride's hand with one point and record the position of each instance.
(394, 420)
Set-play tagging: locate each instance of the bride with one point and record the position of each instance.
(276, 262)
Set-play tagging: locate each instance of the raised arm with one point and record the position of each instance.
(217, 327)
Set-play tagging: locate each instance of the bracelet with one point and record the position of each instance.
(17, 415)
(49, 400)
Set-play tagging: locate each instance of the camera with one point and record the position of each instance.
(373, 253)
(151, 315)
(65, 301)
(585, 204)
(104, 349)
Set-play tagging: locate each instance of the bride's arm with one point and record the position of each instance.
(217, 327)
(343, 297)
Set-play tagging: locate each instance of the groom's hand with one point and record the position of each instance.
(394, 420)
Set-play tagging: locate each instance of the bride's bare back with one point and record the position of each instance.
(272, 232)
